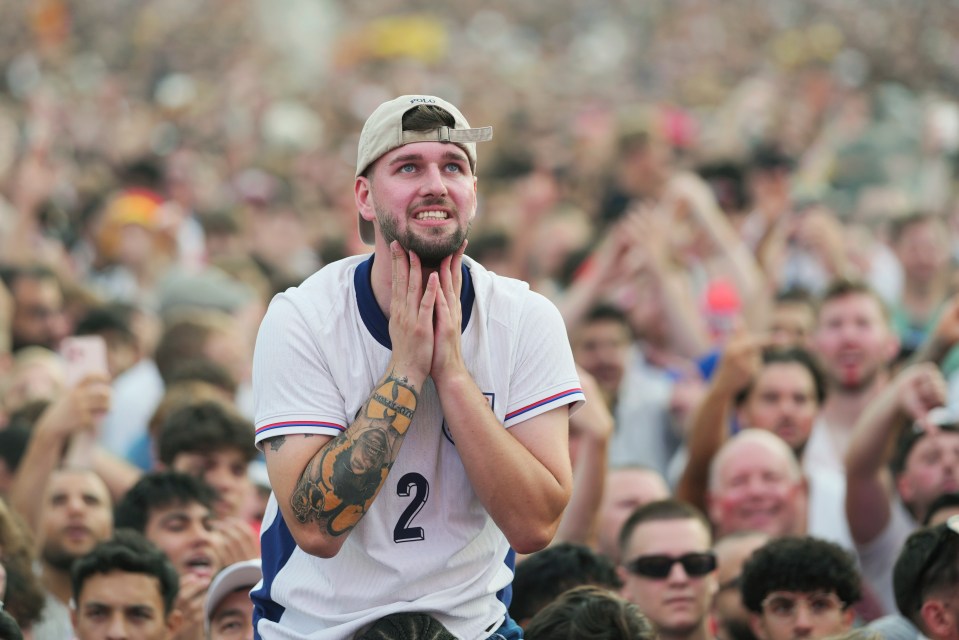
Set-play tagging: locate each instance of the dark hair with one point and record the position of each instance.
(907, 439)
(787, 355)
(13, 444)
(130, 552)
(926, 563)
(948, 500)
(184, 339)
(726, 180)
(669, 509)
(842, 287)
(803, 564)
(546, 574)
(9, 629)
(158, 490)
(426, 117)
(768, 156)
(795, 295)
(899, 226)
(589, 613)
(11, 274)
(203, 427)
(112, 317)
(203, 370)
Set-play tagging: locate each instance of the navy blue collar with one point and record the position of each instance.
(373, 317)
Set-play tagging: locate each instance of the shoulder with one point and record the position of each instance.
(504, 296)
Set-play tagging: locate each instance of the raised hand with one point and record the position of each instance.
(447, 352)
(740, 362)
(920, 389)
(411, 316)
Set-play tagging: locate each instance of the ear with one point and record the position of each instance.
(848, 615)
(74, 619)
(622, 574)
(174, 622)
(892, 344)
(937, 619)
(363, 195)
(904, 488)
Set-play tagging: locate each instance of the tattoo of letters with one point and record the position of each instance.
(341, 481)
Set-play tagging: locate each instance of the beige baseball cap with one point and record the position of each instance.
(383, 132)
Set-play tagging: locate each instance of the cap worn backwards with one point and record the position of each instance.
(384, 132)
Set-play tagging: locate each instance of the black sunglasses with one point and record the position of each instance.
(695, 565)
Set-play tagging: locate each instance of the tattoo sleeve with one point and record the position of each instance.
(341, 481)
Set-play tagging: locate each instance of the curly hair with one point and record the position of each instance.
(202, 427)
(158, 490)
(799, 563)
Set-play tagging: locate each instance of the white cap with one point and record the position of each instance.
(238, 575)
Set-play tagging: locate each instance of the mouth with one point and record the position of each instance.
(200, 565)
(432, 215)
(77, 532)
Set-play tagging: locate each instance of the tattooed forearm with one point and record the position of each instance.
(277, 442)
(340, 483)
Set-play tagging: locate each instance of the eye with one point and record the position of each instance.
(453, 167)
(406, 168)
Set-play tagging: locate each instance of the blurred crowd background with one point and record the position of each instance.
(167, 166)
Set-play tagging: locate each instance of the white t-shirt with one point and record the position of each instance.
(426, 544)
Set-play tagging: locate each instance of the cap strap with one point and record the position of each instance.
(445, 134)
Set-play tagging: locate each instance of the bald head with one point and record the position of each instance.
(755, 483)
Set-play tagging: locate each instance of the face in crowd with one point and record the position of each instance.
(76, 515)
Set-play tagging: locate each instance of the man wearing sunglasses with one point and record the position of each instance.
(800, 588)
(926, 580)
(668, 568)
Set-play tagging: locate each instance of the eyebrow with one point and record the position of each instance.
(407, 157)
(229, 613)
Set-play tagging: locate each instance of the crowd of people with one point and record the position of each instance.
(742, 218)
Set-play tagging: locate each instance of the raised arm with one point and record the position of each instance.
(738, 367)
(321, 502)
(869, 485)
(590, 428)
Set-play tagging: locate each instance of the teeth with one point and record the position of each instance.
(431, 215)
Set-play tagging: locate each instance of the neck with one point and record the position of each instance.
(57, 583)
(382, 278)
(701, 632)
(843, 406)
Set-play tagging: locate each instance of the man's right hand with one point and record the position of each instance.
(740, 363)
(411, 317)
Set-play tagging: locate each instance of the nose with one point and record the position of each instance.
(802, 625)
(433, 183)
(117, 629)
(677, 574)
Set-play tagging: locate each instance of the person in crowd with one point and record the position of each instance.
(21, 593)
(124, 588)
(668, 568)
(925, 579)
(228, 610)
(886, 498)
(393, 446)
(590, 613)
(800, 587)
(732, 551)
(75, 515)
(543, 576)
(627, 489)
(38, 315)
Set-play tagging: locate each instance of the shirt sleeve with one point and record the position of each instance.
(544, 376)
(293, 389)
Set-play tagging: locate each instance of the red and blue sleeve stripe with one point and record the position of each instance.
(299, 423)
(539, 403)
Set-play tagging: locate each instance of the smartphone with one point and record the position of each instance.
(83, 355)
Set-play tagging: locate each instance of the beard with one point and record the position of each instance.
(431, 249)
(58, 557)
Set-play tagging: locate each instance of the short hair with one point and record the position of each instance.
(907, 440)
(204, 427)
(799, 563)
(9, 629)
(113, 317)
(795, 295)
(130, 552)
(203, 370)
(899, 226)
(544, 575)
(843, 287)
(669, 509)
(589, 613)
(159, 490)
(184, 339)
(927, 563)
(788, 355)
